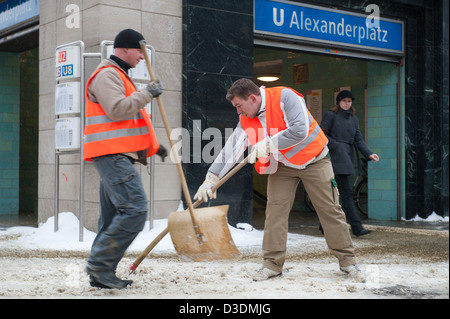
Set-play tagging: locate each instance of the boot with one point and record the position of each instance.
(106, 279)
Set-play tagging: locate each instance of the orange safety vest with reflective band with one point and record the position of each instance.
(299, 154)
(103, 136)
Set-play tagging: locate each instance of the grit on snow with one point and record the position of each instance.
(398, 263)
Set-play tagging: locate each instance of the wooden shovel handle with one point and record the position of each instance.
(174, 152)
(196, 204)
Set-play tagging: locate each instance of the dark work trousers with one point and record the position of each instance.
(123, 211)
(348, 206)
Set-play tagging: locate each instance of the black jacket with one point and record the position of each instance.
(342, 130)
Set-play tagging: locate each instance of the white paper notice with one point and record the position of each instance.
(314, 103)
(67, 133)
(67, 98)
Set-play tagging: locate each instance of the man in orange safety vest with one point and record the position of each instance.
(288, 144)
(118, 133)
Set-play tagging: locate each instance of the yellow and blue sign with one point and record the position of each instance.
(327, 26)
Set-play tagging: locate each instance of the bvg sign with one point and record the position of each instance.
(68, 62)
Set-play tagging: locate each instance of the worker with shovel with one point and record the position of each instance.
(288, 144)
(118, 133)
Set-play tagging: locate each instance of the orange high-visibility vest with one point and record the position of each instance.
(103, 136)
(299, 154)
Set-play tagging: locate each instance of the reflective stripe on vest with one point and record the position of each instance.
(97, 126)
(103, 136)
(95, 137)
(298, 154)
(306, 142)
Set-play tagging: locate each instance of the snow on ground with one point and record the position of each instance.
(41, 263)
(433, 217)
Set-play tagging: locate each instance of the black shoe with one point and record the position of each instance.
(94, 283)
(106, 279)
(362, 232)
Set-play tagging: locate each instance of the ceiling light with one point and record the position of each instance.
(268, 78)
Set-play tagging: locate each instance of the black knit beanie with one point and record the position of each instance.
(129, 39)
(343, 95)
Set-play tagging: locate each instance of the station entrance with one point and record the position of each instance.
(19, 127)
(320, 77)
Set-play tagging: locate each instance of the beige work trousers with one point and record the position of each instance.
(281, 188)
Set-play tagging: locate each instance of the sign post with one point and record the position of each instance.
(69, 115)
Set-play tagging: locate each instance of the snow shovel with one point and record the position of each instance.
(218, 243)
(228, 251)
(209, 215)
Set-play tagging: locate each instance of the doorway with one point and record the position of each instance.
(19, 131)
(320, 77)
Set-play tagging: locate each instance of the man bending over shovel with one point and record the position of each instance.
(288, 144)
(118, 133)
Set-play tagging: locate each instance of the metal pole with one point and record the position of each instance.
(151, 172)
(152, 192)
(152, 160)
(56, 190)
(81, 199)
(399, 143)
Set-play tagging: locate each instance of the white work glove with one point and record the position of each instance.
(261, 149)
(205, 190)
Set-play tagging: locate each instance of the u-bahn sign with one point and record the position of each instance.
(327, 26)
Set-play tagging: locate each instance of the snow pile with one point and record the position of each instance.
(44, 237)
(67, 237)
(433, 217)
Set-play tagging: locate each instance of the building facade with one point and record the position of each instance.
(199, 49)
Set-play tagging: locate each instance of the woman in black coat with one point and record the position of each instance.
(341, 126)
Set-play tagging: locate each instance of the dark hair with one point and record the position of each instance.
(242, 88)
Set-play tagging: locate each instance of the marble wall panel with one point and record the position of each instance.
(217, 50)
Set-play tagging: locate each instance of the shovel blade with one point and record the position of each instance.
(216, 242)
